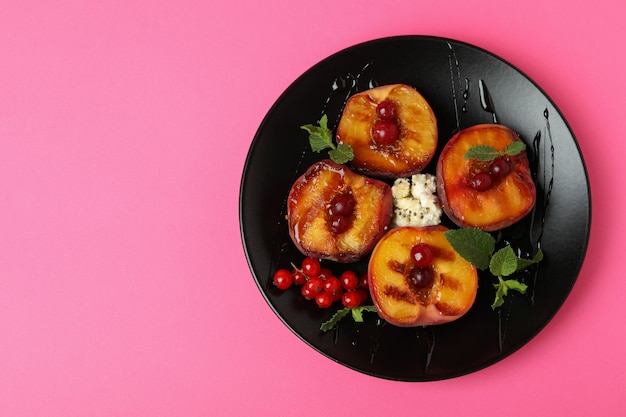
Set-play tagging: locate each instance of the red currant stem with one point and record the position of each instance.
(299, 270)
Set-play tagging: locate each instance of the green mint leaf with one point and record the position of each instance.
(342, 154)
(323, 122)
(515, 285)
(357, 312)
(357, 316)
(321, 137)
(318, 143)
(501, 290)
(503, 262)
(334, 320)
(514, 148)
(525, 263)
(484, 153)
(474, 245)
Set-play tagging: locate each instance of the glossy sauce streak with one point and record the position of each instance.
(466, 91)
(375, 340)
(455, 77)
(486, 101)
(543, 170)
(541, 161)
(341, 89)
(426, 339)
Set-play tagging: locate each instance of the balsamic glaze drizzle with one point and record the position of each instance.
(486, 101)
(455, 77)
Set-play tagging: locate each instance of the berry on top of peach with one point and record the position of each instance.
(337, 214)
(486, 194)
(416, 278)
(391, 129)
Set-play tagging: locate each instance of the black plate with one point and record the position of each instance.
(465, 86)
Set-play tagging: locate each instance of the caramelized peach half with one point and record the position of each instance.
(334, 213)
(399, 296)
(409, 132)
(487, 195)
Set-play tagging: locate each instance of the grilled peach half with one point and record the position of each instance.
(335, 213)
(407, 295)
(392, 130)
(487, 195)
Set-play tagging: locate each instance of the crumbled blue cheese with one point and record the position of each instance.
(415, 202)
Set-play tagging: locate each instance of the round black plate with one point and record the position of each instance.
(465, 86)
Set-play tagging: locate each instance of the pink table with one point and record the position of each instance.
(124, 127)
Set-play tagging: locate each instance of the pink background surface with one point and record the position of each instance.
(124, 127)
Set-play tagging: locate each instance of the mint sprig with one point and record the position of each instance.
(478, 247)
(486, 153)
(321, 137)
(357, 316)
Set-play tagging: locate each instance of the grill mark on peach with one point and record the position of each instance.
(396, 266)
(448, 310)
(398, 294)
(449, 282)
(443, 254)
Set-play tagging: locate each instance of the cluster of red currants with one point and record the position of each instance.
(386, 130)
(498, 169)
(319, 284)
(421, 273)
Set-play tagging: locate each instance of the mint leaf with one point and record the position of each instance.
(486, 153)
(483, 153)
(503, 262)
(474, 245)
(477, 247)
(335, 319)
(342, 154)
(357, 316)
(502, 289)
(514, 148)
(525, 263)
(321, 137)
(318, 143)
(513, 284)
(357, 312)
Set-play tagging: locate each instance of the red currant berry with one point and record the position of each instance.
(364, 281)
(298, 277)
(315, 285)
(332, 285)
(351, 299)
(349, 280)
(338, 224)
(283, 279)
(307, 293)
(342, 204)
(325, 273)
(499, 168)
(386, 110)
(420, 277)
(385, 132)
(324, 300)
(482, 181)
(422, 255)
(363, 294)
(311, 267)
